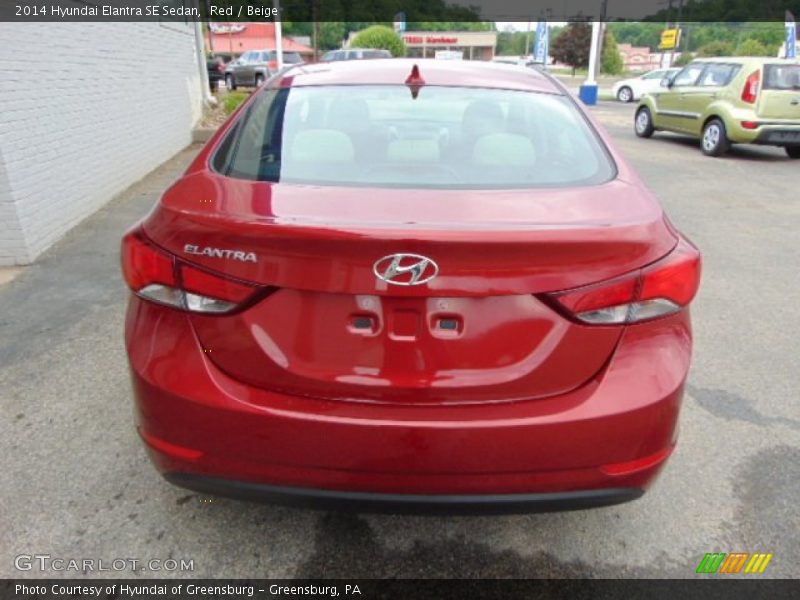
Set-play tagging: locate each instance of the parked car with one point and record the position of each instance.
(410, 285)
(726, 101)
(632, 89)
(253, 68)
(355, 54)
(520, 61)
(216, 71)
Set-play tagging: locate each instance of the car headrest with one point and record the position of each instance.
(348, 113)
(503, 149)
(322, 145)
(426, 151)
(482, 117)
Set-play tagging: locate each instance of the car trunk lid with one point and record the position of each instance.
(477, 332)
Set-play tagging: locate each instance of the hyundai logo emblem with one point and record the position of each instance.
(405, 269)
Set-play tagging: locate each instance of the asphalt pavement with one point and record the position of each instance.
(75, 481)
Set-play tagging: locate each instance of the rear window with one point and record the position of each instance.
(782, 77)
(447, 137)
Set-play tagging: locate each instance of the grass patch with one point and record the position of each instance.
(232, 100)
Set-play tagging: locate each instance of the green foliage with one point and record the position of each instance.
(571, 47)
(696, 35)
(232, 100)
(380, 36)
(331, 35)
(717, 48)
(637, 34)
(684, 59)
(752, 47)
(611, 61)
(452, 26)
(513, 43)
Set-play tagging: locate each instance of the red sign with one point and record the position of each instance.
(418, 39)
(442, 40)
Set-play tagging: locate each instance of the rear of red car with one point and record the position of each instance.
(388, 287)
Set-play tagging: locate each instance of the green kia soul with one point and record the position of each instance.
(724, 101)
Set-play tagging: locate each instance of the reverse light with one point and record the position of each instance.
(156, 275)
(750, 91)
(658, 290)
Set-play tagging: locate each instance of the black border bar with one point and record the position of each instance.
(386, 10)
(369, 589)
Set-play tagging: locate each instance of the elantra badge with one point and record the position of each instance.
(405, 269)
(220, 253)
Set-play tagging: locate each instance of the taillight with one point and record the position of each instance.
(750, 91)
(156, 275)
(658, 290)
(273, 64)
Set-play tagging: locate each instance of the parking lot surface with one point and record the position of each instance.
(76, 482)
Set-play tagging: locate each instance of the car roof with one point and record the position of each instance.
(384, 71)
(746, 59)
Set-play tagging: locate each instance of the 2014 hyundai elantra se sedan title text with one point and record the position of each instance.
(396, 284)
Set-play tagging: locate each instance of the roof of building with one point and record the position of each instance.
(384, 71)
(236, 38)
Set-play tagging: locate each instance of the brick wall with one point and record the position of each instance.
(86, 109)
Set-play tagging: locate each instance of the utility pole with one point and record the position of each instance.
(666, 57)
(588, 91)
(678, 27)
(527, 39)
(315, 17)
(601, 37)
(276, 4)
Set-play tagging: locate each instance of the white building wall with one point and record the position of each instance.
(86, 109)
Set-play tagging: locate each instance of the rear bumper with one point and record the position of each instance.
(601, 444)
(779, 136)
(403, 503)
(768, 133)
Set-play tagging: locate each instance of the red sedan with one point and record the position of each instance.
(410, 285)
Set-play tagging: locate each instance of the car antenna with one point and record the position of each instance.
(415, 81)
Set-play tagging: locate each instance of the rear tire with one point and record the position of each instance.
(230, 83)
(625, 94)
(643, 124)
(793, 151)
(259, 80)
(715, 138)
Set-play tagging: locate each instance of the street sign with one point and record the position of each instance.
(400, 22)
(791, 36)
(541, 48)
(670, 39)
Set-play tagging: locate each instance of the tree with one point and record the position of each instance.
(571, 47)
(752, 47)
(611, 60)
(512, 43)
(718, 48)
(331, 35)
(684, 59)
(380, 36)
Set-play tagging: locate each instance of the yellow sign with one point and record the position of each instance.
(670, 39)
